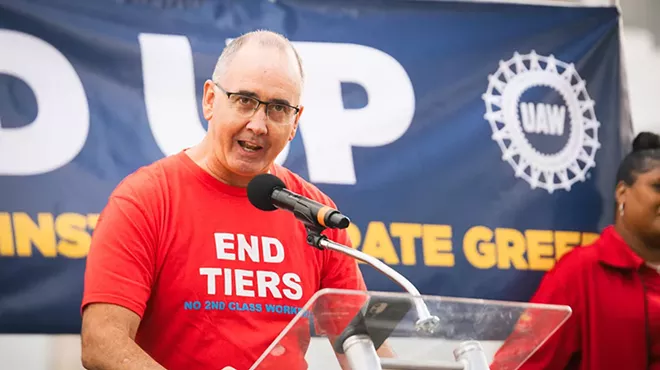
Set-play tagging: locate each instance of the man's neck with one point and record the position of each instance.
(202, 155)
(650, 254)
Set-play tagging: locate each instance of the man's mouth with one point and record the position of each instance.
(248, 146)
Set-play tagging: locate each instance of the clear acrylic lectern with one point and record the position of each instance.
(463, 333)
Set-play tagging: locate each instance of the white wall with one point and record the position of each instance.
(642, 58)
(641, 19)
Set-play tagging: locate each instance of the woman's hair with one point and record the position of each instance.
(643, 158)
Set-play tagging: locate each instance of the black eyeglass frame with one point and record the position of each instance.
(260, 102)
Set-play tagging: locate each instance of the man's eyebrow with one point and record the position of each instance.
(247, 93)
(281, 101)
(254, 95)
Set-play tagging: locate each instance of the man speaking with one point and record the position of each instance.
(183, 272)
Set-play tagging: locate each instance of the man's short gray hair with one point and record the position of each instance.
(264, 38)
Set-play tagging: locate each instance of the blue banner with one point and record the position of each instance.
(472, 144)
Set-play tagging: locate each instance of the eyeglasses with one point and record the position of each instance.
(245, 105)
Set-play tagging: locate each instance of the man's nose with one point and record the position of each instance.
(259, 122)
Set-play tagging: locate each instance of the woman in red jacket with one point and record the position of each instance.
(612, 286)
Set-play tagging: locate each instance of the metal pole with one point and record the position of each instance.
(472, 354)
(360, 353)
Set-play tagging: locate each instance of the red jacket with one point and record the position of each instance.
(607, 329)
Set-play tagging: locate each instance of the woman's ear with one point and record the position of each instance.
(620, 192)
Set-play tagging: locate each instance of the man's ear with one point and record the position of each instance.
(295, 124)
(208, 99)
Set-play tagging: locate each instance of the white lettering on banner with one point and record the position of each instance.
(543, 118)
(59, 131)
(169, 91)
(328, 130)
(248, 283)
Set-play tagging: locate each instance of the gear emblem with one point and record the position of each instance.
(570, 164)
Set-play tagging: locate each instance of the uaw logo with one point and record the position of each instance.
(543, 120)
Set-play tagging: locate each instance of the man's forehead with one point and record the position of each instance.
(254, 69)
(273, 58)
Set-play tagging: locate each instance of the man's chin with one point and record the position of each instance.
(249, 169)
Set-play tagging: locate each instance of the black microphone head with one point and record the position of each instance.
(260, 189)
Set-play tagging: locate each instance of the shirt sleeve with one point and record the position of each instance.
(560, 287)
(121, 260)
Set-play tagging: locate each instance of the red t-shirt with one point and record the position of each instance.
(213, 278)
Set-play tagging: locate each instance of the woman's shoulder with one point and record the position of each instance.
(581, 258)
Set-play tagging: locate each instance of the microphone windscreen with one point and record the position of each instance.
(260, 189)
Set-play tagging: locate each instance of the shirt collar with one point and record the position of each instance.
(615, 252)
(653, 266)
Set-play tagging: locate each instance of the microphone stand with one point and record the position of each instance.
(426, 322)
(359, 349)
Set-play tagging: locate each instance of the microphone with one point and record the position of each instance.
(268, 193)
